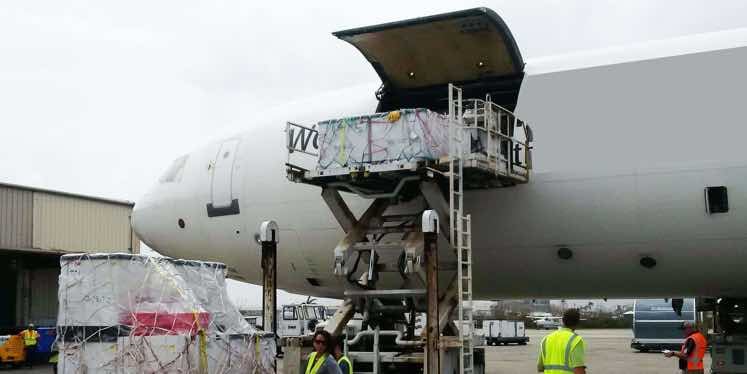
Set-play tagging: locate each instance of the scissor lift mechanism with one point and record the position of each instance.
(401, 191)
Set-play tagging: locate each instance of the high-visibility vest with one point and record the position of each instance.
(29, 337)
(556, 351)
(313, 365)
(345, 359)
(695, 361)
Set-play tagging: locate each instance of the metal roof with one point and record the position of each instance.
(68, 194)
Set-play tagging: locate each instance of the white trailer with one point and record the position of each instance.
(300, 319)
(504, 332)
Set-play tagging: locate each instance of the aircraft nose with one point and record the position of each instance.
(144, 218)
(161, 215)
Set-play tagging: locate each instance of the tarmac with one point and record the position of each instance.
(607, 351)
(37, 369)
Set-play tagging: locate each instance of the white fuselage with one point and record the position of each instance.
(626, 142)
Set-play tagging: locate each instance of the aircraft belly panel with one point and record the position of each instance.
(609, 224)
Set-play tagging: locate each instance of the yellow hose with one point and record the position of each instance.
(203, 352)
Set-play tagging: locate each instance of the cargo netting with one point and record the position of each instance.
(123, 313)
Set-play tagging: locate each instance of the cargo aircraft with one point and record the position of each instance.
(640, 171)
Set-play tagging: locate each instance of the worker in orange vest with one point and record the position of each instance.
(693, 350)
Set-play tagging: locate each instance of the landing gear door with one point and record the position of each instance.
(223, 200)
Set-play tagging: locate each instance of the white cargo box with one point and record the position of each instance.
(89, 358)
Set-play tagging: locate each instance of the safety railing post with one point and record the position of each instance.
(268, 237)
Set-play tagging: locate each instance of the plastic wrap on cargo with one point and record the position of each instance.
(401, 136)
(123, 313)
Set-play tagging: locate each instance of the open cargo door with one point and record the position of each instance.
(417, 58)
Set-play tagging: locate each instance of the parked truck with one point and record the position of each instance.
(499, 332)
(656, 326)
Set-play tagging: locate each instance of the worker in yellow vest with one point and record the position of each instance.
(562, 352)
(30, 337)
(55, 357)
(321, 361)
(346, 366)
(693, 350)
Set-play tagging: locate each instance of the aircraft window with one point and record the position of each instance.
(289, 313)
(648, 262)
(174, 172)
(717, 199)
(565, 253)
(313, 281)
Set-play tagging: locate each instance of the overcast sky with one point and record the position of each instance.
(97, 97)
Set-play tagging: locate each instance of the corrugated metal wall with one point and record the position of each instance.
(41, 220)
(8, 292)
(72, 224)
(36, 226)
(43, 296)
(16, 217)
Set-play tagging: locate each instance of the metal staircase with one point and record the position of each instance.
(465, 294)
(461, 229)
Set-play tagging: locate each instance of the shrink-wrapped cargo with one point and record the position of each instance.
(402, 136)
(123, 313)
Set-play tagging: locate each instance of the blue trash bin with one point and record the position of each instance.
(47, 336)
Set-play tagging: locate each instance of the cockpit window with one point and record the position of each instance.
(174, 172)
